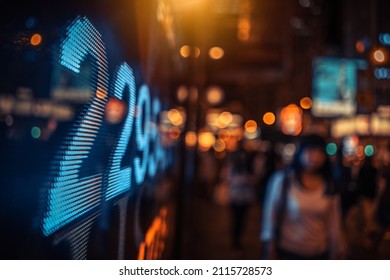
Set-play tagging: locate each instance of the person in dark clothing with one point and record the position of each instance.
(263, 168)
(344, 183)
(241, 193)
(366, 192)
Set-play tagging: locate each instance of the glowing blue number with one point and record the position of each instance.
(142, 133)
(72, 196)
(155, 136)
(119, 179)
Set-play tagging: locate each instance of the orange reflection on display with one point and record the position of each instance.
(115, 110)
(154, 244)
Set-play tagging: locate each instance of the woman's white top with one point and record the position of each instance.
(312, 220)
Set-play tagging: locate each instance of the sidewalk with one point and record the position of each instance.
(208, 235)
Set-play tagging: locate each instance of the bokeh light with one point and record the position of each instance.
(36, 39)
(291, 120)
(269, 118)
(250, 126)
(185, 51)
(360, 46)
(219, 146)
(175, 117)
(182, 93)
(331, 149)
(196, 52)
(115, 110)
(216, 53)
(190, 139)
(174, 133)
(214, 95)
(379, 56)
(224, 119)
(206, 140)
(35, 132)
(369, 150)
(306, 103)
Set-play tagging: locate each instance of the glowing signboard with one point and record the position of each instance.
(334, 86)
(75, 196)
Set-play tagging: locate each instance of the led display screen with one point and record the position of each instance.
(334, 86)
(73, 182)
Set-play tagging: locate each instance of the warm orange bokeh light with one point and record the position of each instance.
(219, 146)
(185, 51)
(360, 151)
(115, 110)
(224, 135)
(360, 46)
(224, 119)
(291, 120)
(196, 52)
(36, 39)
(174, 133)
(306, 103)
(190, 139)
(214, 95)
(175, 117)
(379, 56)
(206, 140)
(250, 126)
(101, 93)
(216, 53)
(269, 118)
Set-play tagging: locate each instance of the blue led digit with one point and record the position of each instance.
(142, 133)
(119, 179)
(156, 155)
(71, 196)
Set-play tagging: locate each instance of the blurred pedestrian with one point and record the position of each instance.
(263, 168)
(382, 202)
(345, 183)
(241, 194)
(367, 193)
(302, 212)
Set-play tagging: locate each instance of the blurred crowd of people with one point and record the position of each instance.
(315, 206)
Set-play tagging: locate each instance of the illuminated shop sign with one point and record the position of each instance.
(73, 194)
(335, 85)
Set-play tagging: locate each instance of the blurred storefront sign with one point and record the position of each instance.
(374, 124)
